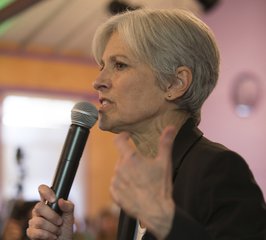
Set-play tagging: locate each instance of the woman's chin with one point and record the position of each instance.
(105, 126)
(109, 128)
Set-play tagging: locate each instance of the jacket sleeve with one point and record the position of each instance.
(224, 202)
(186, 228)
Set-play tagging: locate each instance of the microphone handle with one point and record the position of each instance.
(68, 163)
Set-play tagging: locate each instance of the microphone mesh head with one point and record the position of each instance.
(84, 114)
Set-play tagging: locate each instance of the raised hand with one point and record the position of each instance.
(143, 186)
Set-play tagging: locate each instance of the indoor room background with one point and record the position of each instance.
(44, 73)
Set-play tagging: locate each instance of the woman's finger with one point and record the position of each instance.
(46, 193)
(43, 210)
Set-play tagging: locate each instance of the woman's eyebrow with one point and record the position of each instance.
(115, 56)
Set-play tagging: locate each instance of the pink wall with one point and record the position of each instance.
(239, 26)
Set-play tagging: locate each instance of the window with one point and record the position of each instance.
(33, 133)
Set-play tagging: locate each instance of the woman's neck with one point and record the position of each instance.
(146, 139)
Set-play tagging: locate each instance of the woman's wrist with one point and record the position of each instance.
(160, 222)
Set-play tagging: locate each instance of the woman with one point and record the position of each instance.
(157, 69)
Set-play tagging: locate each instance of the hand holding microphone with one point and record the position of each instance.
(45, 222)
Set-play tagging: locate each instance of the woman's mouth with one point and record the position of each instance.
(105, 104)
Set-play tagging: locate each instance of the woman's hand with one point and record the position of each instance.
(143, 186)
(46, 223)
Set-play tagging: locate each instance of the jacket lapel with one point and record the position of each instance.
(126, 227)
(188, 135)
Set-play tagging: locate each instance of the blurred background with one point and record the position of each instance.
(46, 66)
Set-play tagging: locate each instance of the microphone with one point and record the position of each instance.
(83, 117)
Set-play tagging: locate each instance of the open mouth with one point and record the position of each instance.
(105, 103)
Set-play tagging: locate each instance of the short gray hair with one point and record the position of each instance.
(165, 40)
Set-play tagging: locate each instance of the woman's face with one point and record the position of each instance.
(128, 94)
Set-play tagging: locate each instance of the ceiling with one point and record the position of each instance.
(64, 27)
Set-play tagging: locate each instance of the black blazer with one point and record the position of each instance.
(215, 194)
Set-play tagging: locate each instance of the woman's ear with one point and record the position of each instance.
(180, 85)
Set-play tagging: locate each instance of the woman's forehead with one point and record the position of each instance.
(117, 46)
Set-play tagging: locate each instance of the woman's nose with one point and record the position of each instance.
(102, 82)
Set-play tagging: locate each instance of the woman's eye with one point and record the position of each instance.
(120, 66)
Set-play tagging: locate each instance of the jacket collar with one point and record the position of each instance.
(187, 136)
